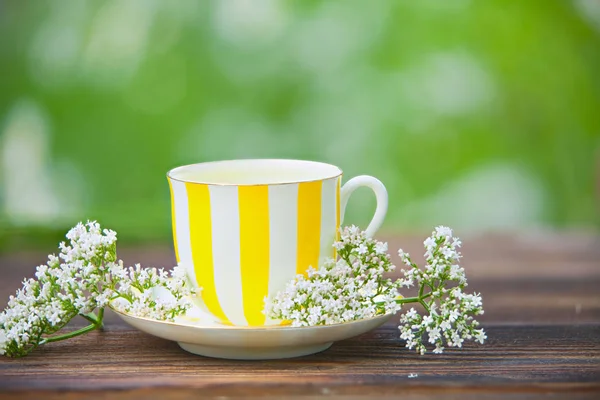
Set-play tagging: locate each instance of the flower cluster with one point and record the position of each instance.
(85, 276)
(354, 287)
(137, 286)
(450, 310)
(351, 288)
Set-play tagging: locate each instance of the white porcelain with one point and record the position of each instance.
(197, 333)
(381, 197)
(244, 228)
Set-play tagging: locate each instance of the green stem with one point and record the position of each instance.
(100, 321)
(425, 305)
(69, 335)
(122, 296)
(96, 323)
(417, 299)
(406, 300)
(90, 317)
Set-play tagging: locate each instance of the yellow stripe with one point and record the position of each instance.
(173, 220)
(254, 250)
(337, 214)
(309, 226)
(201, 243)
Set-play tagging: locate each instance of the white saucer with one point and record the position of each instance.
(197, 333)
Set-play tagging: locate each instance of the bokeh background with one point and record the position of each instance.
(484, 115)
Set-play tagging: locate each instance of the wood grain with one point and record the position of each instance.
(534, 359)
(541, 295)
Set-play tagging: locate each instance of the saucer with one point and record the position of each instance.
(197, 333)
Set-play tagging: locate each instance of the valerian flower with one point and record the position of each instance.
(351, 288)
(137, 286)
(354, 287)
(450, 320)
(84, 277)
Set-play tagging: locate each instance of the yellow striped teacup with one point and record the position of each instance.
(244, 228)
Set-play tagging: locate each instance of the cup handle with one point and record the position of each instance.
(380, 194)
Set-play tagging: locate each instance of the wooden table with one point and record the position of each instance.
(541, 295)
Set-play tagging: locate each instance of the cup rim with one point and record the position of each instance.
(338, 171)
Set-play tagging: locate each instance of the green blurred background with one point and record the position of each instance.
(484, 115)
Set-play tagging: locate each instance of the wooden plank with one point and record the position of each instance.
(364, 392)
(125, 359)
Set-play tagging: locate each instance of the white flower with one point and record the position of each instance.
(348, 289)
(353, 288)
(443, 231)
(351, 231)
(480, 336)
(427, 320)
(83, 277)
(405, 257)
(434, 334)
(451, 311)
(381, 248)
(3, 341)
(453, 315)
(411, 314)
(429, 243)
(362, 249)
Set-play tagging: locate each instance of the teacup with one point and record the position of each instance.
(244, 228)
